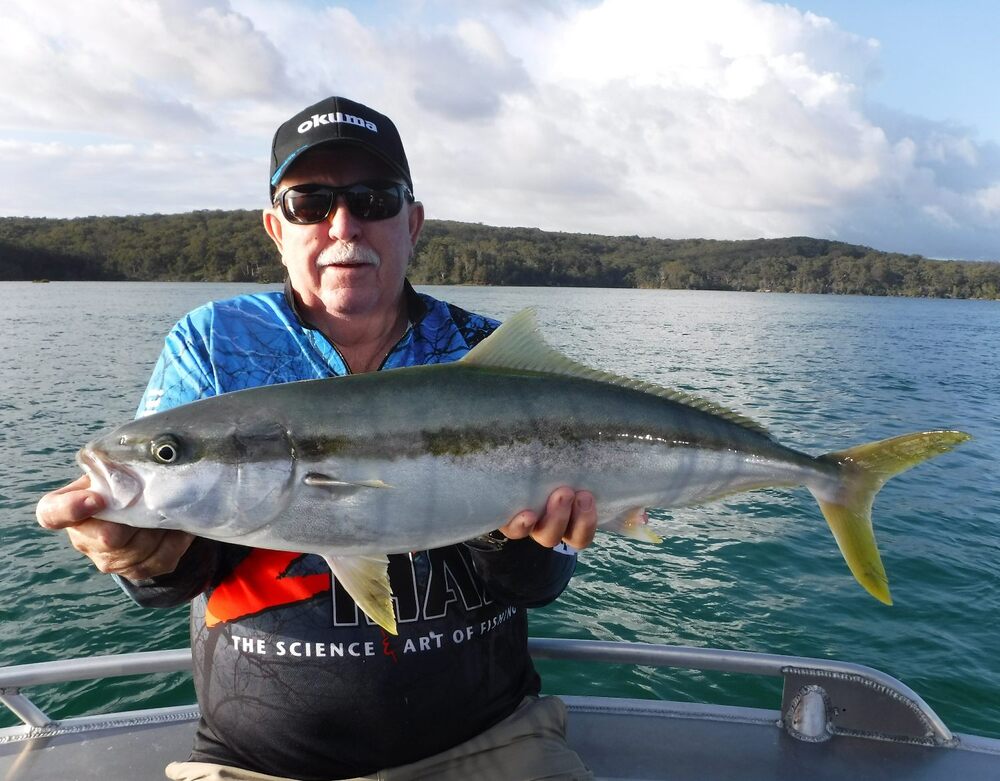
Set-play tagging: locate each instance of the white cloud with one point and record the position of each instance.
(723, 119)
(134, 68)
(463, 73)
(123, 178)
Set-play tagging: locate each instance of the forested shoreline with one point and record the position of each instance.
(232, 246)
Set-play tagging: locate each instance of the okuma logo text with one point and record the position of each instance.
(335, 117)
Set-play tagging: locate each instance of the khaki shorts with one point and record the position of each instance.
(529, 745)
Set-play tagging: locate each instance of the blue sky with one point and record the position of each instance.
(870, 122)
(938, 59)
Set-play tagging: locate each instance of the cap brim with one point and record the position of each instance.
(290, 160)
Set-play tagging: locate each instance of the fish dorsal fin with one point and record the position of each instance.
(518, 345)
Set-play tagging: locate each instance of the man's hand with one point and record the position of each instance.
(114, 548)
(569, 516)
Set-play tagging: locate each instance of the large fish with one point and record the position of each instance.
(354, 468)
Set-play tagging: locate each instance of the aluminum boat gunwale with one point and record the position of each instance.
(836, 718)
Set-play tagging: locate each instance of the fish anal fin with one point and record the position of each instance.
(634, 523)
(517, 345)
(366, 579)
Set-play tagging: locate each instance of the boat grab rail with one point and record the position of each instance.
(17, 677)
(816, 696)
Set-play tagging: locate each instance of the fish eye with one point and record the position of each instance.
(165, 450)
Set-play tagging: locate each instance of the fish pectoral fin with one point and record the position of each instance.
(634, 523)
(319, 480)
(366, 579)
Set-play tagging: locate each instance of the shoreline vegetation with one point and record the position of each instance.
(230, 246)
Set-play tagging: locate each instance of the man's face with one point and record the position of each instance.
(314, 254)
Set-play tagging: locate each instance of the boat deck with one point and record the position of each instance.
(813, 736)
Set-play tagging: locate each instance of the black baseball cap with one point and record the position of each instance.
(335, 121)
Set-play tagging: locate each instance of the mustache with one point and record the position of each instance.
(340, 254)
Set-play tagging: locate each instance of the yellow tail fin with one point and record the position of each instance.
(864, 470)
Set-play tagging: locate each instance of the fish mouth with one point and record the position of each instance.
(120, 486)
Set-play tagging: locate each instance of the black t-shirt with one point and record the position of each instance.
(294, 680)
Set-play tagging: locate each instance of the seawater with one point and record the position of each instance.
(758, 572)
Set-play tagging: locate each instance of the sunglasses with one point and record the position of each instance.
(307, 204)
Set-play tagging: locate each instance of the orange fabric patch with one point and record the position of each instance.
(259, 582)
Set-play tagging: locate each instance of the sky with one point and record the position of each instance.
(868, 121)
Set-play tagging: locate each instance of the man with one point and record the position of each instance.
(292, 680)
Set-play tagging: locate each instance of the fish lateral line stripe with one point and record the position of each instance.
(459, 442)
